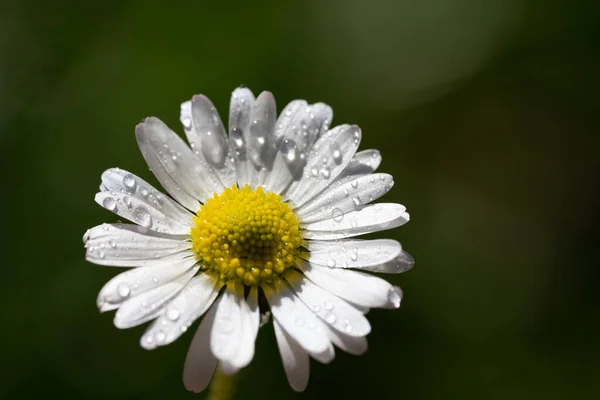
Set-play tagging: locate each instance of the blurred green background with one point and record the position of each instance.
(486, 113)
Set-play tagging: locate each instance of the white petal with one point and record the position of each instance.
(363, 163)
(356, 287)
(135, 199)
(304, 123)
(200, 363)
(295, 359)
(288, 165)
(190, 304)
(372, 218)
(261, 140)
(330, 308)
(298, 127)
(295, 317)
(208, 139)
(227, 332)
(328, 158)
(131, 283)
(175, 166)
(325, 357)
(361, 254)
(242, 101)
(355, 345)
(350, 196)
(251, 322)
(402, 263)
(127, 245)
(149, 305)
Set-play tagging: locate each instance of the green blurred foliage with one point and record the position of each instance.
(486, 114)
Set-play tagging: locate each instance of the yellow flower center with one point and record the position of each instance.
(246, 236)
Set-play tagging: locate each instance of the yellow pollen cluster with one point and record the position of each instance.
(246, 236)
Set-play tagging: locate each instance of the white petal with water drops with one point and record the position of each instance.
(148, 305)
(190, 304)
(139, 202)
(296, 318)
(261, 142)
(240, 106)
(372, 218)
(356, 287)
(330, 308)
(138, 280)
(127, 245)
(364, 162)
(295, 359)
(350, 196)
(200, 363)
(329, 156)
(360, 254)
(209, 141)
(178, 169)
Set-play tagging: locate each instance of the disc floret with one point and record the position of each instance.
(246, 236)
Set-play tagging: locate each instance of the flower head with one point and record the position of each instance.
(267, 211)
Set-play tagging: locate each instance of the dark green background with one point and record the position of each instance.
(486, 114)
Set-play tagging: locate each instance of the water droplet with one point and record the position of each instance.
(325, 172)
(105, 227)
(354, 256)
(337, 214)
(149, 339)
(109, 203)
(112, 243)
(187, 123)
(129, 182)
(328, 305)
(127, 201)
(161, 336)
(123, 290)
(299, 321)
(354, 183)
(330, 318)
(173, 314)
(348, 328)
(314, 171)
(142, 217)
(143, 191)
(331, 263)
(291, 156)
(356, 201)
(317, 308)
(395, 296)
(336, 152)
(237, 138)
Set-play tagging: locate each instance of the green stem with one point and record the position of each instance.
(221, 387)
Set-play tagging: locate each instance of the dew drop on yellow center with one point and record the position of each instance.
(246, 236)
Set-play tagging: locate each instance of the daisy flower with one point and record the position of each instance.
(261, 220)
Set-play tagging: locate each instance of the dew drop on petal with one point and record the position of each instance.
(337, 214)
(395, 296)
(331, 263)
(112, 243)
(330, 318)
(336, 152)
(142, 217)
(129, 182)
(123, 290)
(325, 172)
(299, 321)
(173, 314)
(109, 203)
(328, 305)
